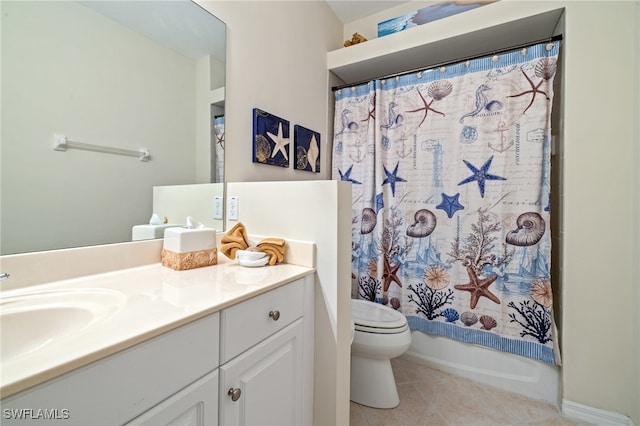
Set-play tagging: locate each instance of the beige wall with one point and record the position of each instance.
(276, 62)
(600, 312)
(635, 334)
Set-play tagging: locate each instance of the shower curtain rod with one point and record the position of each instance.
(456, 61)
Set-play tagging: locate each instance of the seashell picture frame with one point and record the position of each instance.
(307, 148)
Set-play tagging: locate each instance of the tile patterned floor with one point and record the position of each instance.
(431, 397)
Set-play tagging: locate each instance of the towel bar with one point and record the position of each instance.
(61, 143)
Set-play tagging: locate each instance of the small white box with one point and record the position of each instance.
(188, 248)
(184, 240)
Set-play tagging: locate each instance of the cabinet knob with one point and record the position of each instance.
(234, 394)
(274, 315)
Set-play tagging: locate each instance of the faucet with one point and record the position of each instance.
(4, 275)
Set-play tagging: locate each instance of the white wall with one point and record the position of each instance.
(141, 95)
(176, 202)
(317, 211)
(601, 196)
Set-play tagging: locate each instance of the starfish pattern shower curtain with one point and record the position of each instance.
(450, 174)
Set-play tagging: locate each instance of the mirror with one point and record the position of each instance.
(117, 74)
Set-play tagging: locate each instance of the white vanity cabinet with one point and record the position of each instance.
(262, 351)
(117, 389)
(250, 363)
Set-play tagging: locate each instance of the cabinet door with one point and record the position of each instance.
(195, 405)
(266, 382)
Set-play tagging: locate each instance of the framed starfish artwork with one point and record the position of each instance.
(270, 139)
(307, 145)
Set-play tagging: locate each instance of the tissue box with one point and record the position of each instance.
(189, 248)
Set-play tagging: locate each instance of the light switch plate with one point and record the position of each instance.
(232, 208)
(217, 208)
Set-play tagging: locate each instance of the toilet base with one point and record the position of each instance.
(372, 383)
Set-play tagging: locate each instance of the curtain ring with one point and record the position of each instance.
(495, 58)
(468, 63)
(524, 51)
(443, 69)
(383, 82)
(549, 46)
(419, 75)
(353, 89)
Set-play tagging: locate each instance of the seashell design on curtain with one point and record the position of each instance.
(450, 174)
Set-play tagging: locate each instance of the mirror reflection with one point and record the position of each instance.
(117, 74)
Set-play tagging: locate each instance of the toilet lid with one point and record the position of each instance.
(369, 315)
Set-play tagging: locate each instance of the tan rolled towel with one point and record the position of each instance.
(234, 240)
(275, 247)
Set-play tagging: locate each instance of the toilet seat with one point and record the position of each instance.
(373, 317)
(381, 330)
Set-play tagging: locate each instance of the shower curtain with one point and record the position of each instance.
(218, 163)
(450, 174)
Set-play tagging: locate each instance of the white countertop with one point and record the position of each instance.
(150, 300)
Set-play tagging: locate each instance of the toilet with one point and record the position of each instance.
(381, 334)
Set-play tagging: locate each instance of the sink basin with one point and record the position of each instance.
(31, 321)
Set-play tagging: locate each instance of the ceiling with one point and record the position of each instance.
(145, 16)
(350, 10)
(187, 34)
(182, 25)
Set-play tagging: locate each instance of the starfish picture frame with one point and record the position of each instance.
(270, 139)
(307, 148)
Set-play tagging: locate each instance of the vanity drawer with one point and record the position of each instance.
(249, 322)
